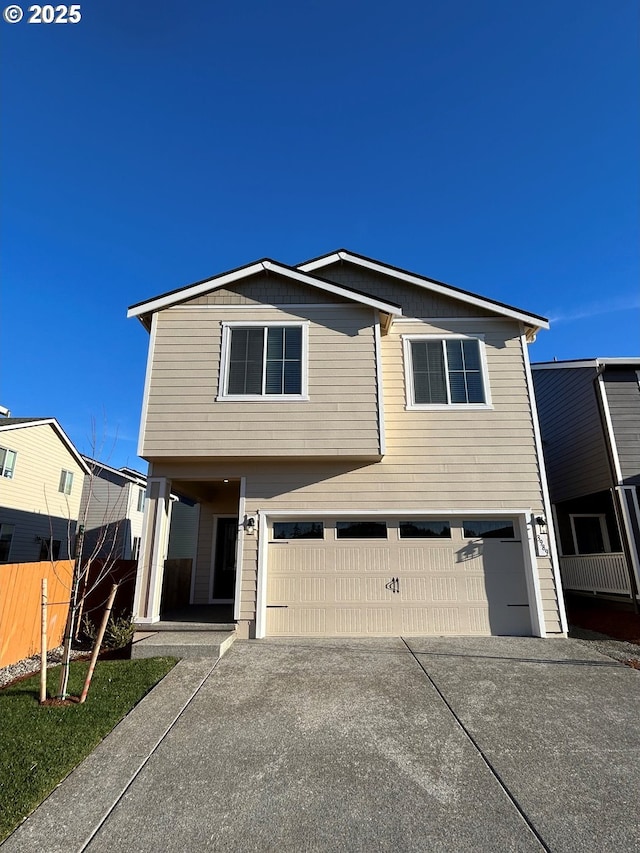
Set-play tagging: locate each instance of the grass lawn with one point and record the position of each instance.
(40, 745)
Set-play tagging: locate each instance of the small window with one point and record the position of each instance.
(49, 549)
(66, 482)
(298, 530)
(487, 529)
(6, 535)
(141, 494)
(361, 530)
(7, 462)
(135, 548)
(445, 372)
(263, 361)
(425, 529)
(590, 535)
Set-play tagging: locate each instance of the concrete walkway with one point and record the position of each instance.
(497, 744)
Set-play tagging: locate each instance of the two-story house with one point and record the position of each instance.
(41, 478)
(363, 445)
(589, 414)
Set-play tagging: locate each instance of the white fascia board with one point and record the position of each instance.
(53, 423)
(193, 291)
(619, 362)
(428, 284)
(319, 263)
(587, 362)
(216, 283)
(429, 512)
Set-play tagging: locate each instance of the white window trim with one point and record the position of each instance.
(66, 481)
(225, 352)
(603, 530)
(444, 407)
(6, 472)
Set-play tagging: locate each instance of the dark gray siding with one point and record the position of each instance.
(574, 448)
(623, 394)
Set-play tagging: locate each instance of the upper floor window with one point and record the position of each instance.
(263, 360)
(66, 482)
(7, 462)
(444, 372)
(141, 500)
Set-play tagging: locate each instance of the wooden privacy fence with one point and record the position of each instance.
(20, 612)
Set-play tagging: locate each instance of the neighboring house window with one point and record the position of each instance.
(66, 482)
(444, 372)
(590, 535)
(361, 529)
(484, 529)
(298, 530)
(263, 361)
(49, 549)
(424, 529)
(135, 548)
(6, 535)
(7, 462)
(140, 500)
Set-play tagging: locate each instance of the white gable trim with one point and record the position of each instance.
(53, 423)
(191, 292)
(427, 284)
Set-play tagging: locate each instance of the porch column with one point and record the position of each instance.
(153, 551)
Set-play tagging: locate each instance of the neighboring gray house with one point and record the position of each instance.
(589, 412)
(112, 512)
(41, 477)
(362, 443)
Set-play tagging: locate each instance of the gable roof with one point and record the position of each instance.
(127, 474)
(7, 424)
(534, 320)
(143, 310)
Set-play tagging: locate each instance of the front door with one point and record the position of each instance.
(224, 560)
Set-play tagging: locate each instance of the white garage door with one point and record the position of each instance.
(396, 576)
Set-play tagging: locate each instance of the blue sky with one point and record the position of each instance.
(487, 143)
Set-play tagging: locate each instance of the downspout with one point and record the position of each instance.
(616, 479)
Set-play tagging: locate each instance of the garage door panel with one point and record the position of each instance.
(348, 589)
(410, 559)
(444, 586)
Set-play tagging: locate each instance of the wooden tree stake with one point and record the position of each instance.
(98, 643)
(43, 645)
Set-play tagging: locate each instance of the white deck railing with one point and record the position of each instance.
(596, 573)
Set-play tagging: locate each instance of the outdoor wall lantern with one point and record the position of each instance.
(249, 524)
(541, 523)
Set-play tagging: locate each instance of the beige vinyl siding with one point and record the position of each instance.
(339, 419)
(623, 395)
(31, 500)
(574, 447)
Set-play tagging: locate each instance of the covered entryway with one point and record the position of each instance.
(393, 576)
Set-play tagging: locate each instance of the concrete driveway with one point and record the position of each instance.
(496, 744)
